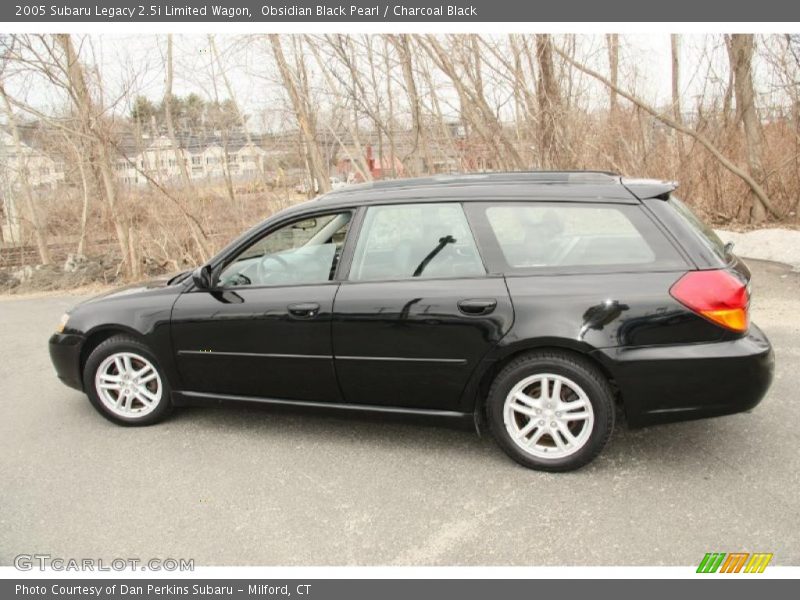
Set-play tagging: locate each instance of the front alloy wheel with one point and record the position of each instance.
(128, 385)
(125, 384)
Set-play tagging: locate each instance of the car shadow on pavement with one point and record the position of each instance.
(680, 444)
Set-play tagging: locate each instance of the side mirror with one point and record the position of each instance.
(203, 278)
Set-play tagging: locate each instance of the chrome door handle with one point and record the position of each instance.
(477, 306)
(304, 310)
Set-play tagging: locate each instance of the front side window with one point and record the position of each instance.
(410, 241)
(565, 236)
(302, 252)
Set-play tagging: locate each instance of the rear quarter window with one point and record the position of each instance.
(576, 237)
(703, 231)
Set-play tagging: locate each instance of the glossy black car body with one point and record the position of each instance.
(434, 345)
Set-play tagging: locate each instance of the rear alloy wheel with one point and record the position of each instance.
(551, 410)
(124, 383)
(548, 416)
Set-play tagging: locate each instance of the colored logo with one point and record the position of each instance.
(734, 562)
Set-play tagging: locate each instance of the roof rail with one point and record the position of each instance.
(596, 177)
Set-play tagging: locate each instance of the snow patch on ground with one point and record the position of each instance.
(779, 245)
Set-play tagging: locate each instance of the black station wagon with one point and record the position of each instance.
(535, 304)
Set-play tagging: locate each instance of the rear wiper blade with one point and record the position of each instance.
(448, 239)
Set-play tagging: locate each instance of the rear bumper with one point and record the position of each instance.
(663, 384)
(65, 354)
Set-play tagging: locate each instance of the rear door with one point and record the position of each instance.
(417, 312)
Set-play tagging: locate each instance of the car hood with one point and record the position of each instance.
(142, 287)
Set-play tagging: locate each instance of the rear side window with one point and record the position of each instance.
(408, 241)
(565, 237)
(706, 234)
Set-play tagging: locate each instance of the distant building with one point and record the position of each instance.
(21, 164)
(40, 168)
(379, 167)
(204, 158)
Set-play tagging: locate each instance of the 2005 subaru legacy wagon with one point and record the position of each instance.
(532, 302)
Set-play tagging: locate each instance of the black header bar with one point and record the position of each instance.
(465, 11)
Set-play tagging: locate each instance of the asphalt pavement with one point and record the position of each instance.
(244, 485)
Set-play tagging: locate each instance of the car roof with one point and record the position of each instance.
(583, 186)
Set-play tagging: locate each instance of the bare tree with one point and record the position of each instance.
(612, 40)
(741, 52)
(90, 122)
(23, 182)
(176, 147)
(549, 97)
(473, 104)
(296, 87)
(426, 102)
(755, 187)
(421, 158)
(677, 113)
(359, 160)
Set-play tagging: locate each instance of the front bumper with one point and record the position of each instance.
(663, 384)
(65, 354)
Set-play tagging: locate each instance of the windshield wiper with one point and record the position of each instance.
(448, 239)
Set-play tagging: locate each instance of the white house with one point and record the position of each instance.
(204, 159)
(23, 164)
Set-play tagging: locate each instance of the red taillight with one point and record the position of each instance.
(716, 295)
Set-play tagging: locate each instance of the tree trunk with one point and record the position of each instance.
(39, 233)
(421, 159)
(199, 236)
(359, 161)
(613, 99)
(176, 149)
(549, 101)
(299, 99)
(223, 128)
(85, 206)
(390, 115)
(741, 49)
(239, 114)
(91, 126)
(475, 108)
(676, 89)
(613, 69)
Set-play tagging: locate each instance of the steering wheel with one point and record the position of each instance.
(263, 274)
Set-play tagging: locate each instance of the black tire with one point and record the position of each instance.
(573, 367)
(114, 345)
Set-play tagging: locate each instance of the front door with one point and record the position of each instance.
(265, 331)
(417, 312)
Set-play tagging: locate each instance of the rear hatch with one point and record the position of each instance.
(719, 289)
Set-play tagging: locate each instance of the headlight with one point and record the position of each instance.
(62, 323)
